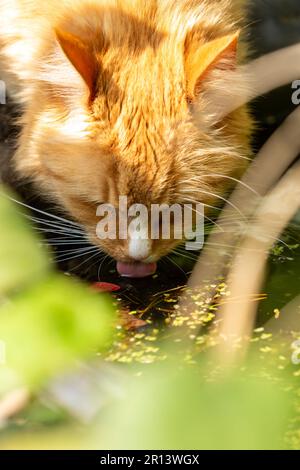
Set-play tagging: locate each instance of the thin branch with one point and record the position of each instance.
(248, 270)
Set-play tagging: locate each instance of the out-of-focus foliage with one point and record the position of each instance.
(21, 258)
(172, 409)
(50, 325)
(47, 320)
(166, 407)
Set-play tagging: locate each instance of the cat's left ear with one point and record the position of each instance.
(81, 56)
(200, 61)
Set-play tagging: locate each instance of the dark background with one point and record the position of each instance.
(273, 24)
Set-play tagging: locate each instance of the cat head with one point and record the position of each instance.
(121, 109)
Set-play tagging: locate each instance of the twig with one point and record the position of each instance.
(13, 403)
(247, 273)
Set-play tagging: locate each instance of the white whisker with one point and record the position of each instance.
(185, 255)
(173, 262)
(90, 250)
(61, 242)
(74, 250)
(235, 180)
(55, 225)
(87, 260)
(42, 212)
(208, 193)
(58, 232)
(100, 266)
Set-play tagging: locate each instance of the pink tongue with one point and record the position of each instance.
(136, 270)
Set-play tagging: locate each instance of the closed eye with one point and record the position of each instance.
(88, 200)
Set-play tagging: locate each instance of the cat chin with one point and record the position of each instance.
(136, 270)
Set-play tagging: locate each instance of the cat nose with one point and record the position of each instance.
(139, 249)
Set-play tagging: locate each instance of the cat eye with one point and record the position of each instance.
(89, 201)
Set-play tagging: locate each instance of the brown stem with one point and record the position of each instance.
(247, 273)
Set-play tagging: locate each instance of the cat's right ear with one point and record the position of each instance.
(201, 60)
(81, 56)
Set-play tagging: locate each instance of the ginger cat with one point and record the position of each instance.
(116, 100)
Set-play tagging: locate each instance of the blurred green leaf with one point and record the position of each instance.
(50, 326)
(21, 258)
(171, 409)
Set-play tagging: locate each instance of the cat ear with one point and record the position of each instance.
(199, 61)
(81, 57)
